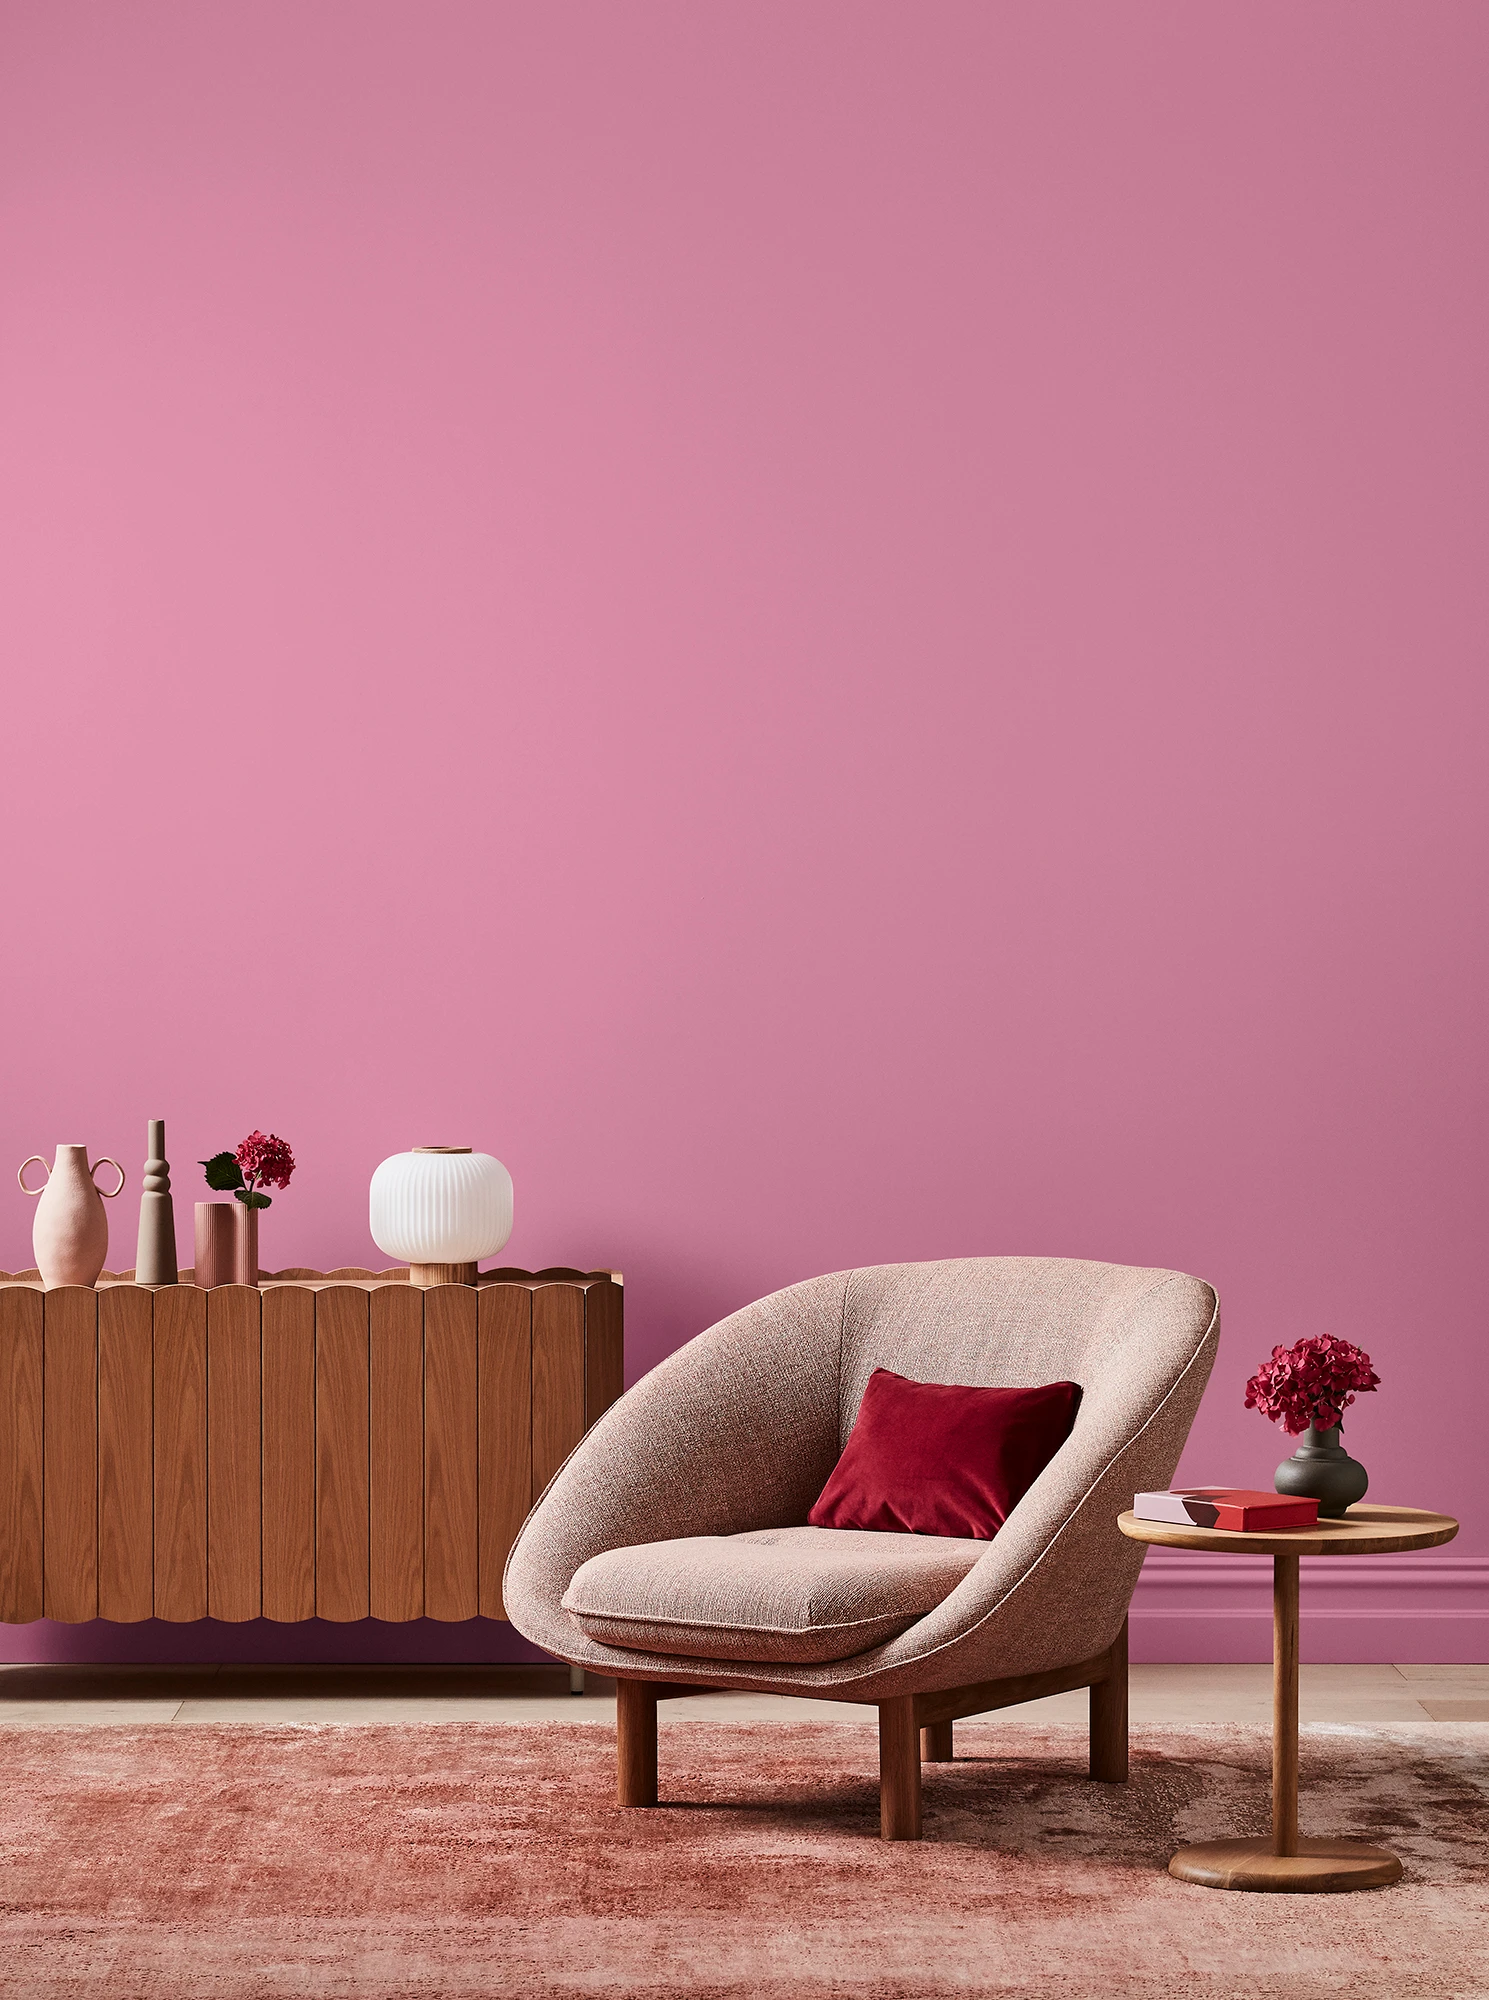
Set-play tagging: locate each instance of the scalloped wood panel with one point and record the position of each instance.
(328, 1444)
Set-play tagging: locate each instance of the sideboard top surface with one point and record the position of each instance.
(352, 1274)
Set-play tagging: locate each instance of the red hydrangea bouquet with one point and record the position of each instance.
(1308, 1387)
(263, 1160)
(1313, 1382)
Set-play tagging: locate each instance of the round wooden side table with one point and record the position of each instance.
(1286, 1861)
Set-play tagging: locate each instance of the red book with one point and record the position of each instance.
(1226, 1507)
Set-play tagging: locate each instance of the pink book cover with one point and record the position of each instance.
(1226, 1507)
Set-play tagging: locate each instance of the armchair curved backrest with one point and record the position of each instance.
(739, 1429)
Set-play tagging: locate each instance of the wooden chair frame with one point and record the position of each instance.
(913, 1729)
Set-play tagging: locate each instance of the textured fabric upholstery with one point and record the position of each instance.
(775, 1594)
(739, 1429)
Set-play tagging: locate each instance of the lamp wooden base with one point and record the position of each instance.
(1319, 1866)
(441, 1274)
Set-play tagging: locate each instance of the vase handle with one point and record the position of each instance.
(21, 1176)
(107, 1193)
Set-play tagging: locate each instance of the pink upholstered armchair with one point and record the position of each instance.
(671, 1550)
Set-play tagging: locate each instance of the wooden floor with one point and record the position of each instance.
(92, 1697)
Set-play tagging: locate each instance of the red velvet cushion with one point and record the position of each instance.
(932, 1458)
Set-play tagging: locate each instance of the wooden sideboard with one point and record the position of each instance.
(331, 1444)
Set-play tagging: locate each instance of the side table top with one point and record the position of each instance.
(1363, 1531)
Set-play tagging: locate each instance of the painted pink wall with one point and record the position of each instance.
(846, 631)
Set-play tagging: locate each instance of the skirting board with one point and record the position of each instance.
(1408, 1609)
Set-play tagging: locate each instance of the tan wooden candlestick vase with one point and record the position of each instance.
(155, 1255)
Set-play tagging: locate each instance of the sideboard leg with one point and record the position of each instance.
(1109, 1717)
(576, 1680)
(636, 1743)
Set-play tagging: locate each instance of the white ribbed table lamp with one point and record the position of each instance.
(440, 1210)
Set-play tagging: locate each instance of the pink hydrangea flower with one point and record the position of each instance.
(266, 1160)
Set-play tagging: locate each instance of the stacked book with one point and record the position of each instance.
(1226, 1507)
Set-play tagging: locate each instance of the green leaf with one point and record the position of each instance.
(223, 1172)
(253, 1199)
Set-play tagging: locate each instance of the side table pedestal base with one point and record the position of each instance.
(1319, 1866)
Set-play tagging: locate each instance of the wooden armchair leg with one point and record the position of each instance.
(935, 1743)
(1109, 1718)
(899, 1769)
(635, 1743)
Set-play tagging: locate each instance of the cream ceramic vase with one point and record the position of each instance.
(70, 1237)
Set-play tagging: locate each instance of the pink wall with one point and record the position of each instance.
(846, 631)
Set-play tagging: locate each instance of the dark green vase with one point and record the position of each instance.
(1322, 1470)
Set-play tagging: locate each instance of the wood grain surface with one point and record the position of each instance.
(70, 1452)
(234, 1454)
(899, 1769)
(1364, 1531)
(604, 1348)
(1285, 1658)
(1108, 1718)
(180, 1452)
(980, 1697)
(288, 1430)
(21, 1596)
(505, 1438)
(636, 1743)
(126, 1455)
(396, 1341)
(292, 1450)
(1313, 1866)
(558, 1378)
(451, 1566)
(342, 1552)
(938, 1743)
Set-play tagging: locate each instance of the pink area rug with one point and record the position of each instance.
(457, 1860)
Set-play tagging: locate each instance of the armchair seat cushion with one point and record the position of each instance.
(806, 1594)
